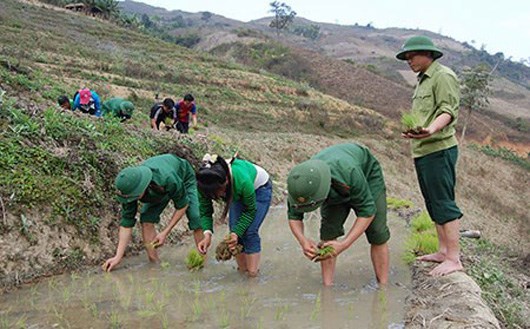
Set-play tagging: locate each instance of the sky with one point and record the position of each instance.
(501, 26)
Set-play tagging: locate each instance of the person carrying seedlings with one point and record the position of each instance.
(186, 107)
(337, 179)
(434, 147)
(87, 101)
(163, 112)
(119, 108)
(65, 102)
(155, 182)
(246, 190)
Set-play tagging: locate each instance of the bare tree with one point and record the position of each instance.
(475, 90)
(283, 16)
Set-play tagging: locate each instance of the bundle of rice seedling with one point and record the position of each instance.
(411, 123)
(152, 245)
(223, 252)
(194, 260)
(323, 253)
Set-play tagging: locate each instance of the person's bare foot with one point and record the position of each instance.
(437, 257)
(446, 267)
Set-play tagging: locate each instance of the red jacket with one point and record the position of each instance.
(183, 110)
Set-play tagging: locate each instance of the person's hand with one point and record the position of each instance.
(232, 241)
(110, 263)
(338, 247)
(204, 244)
(423, 133)
(159, 240)
(309, 248)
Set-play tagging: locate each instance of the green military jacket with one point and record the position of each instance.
(112, 107)
(243, 176)
(165, 185)
(356, 179)
(437, 92)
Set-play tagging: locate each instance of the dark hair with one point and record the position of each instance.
(62, 99)
(189, 98)
(210, 178)
(169, 103)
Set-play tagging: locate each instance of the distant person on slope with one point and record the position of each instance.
(65, 102)
(154, 183)
(434, 149)
(87, 101)
(164, 112)
(186, 108)
(119, 108)
(336, 180)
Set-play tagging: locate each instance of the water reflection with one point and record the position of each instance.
(288, 293)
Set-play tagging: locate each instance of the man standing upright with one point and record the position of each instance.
(186, 107)
(434, 148)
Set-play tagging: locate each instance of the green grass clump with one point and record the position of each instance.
(396, 204)
(194, 260)
(505, 154)
(410, 123)
(423, 239)
(422, 223)
(502, 288)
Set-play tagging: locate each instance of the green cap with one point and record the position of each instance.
(127, 107)
(308, 185)
(131, 182)
(418, 43)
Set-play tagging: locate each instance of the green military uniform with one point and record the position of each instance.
(172, 178)
(243, 176)
(437, 92)
(356, 183)
(117, 107)
(435, 157)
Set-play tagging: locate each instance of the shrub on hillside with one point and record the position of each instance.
(187, 40)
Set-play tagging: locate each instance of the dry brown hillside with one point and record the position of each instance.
(374, 78)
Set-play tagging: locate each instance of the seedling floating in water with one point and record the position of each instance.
(223, 252)
(411, 123)
(194, 260)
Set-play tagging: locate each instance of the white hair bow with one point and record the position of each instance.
(208, 160)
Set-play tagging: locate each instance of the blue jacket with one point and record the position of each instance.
(97, 103)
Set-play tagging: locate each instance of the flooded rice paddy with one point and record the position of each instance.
(287, 294)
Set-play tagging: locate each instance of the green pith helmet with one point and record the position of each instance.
(418, 43)
(127, 107)
(308, 185)
(131, 182)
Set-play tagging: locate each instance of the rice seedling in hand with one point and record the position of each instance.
(152, 245)
(324, 253)
(411, 123)
(223, 252)
(194, 260)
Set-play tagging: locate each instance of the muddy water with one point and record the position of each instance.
(288, 294)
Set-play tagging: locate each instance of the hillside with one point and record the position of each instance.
(56, 192)
(41, 60)
(374, 79)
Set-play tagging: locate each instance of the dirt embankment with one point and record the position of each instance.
(452, 301)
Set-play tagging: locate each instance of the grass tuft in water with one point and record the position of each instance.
(194, 260)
